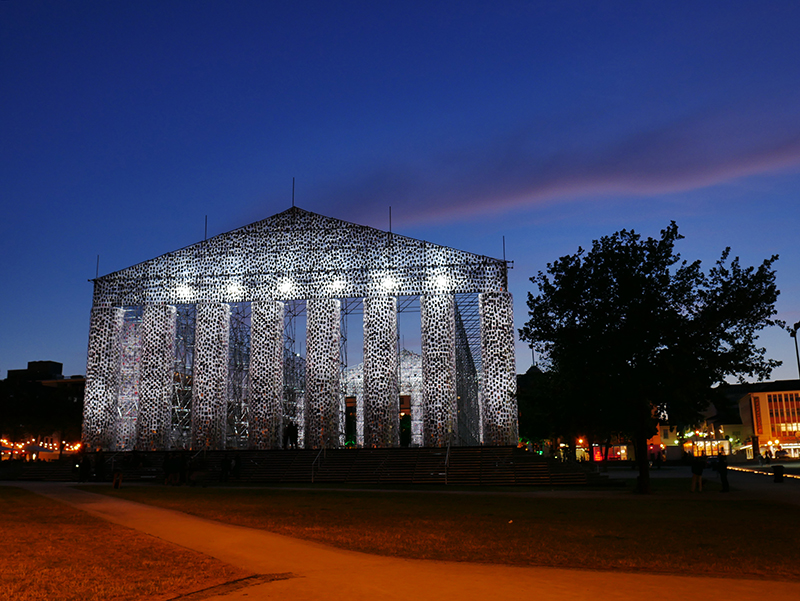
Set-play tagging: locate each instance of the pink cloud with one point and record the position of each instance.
(514, 173)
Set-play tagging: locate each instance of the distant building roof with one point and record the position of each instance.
(38, 371)
(739, 390)
(729, 411)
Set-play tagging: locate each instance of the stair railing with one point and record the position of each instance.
(321, 454)
(447, 462)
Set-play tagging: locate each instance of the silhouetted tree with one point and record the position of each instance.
(632, 333)
(539, 417)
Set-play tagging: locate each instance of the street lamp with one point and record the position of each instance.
(793, 334)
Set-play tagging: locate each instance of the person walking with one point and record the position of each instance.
(722, 468)
(698, 465)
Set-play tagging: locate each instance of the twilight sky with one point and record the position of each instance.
(123, 124)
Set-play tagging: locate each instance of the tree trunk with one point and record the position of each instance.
(643, 463)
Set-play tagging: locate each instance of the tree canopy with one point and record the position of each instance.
(631, 332)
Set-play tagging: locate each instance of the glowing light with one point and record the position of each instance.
(442, 282)
(234, 289)
(285, 287)
(185, 291)
(388, 283)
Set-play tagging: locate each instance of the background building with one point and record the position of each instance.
(771, 413)
(40, 412)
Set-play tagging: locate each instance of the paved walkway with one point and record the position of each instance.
(745, 482)
(299, 570)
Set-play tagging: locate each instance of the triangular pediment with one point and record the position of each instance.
(298, 254)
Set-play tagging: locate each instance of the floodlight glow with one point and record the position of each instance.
(442, 282)
(285, 286)
(234, 289)
(388, 283)
(185, 291)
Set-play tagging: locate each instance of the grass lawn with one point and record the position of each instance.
(669, 532)
(52, 551)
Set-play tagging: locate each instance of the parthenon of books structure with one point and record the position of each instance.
(200, 348)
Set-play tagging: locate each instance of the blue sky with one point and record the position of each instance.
(123, 124)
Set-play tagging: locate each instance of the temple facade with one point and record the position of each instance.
(239, 340)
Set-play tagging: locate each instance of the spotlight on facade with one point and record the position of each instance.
(185, 291)
(388, 283)
(285, 287)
